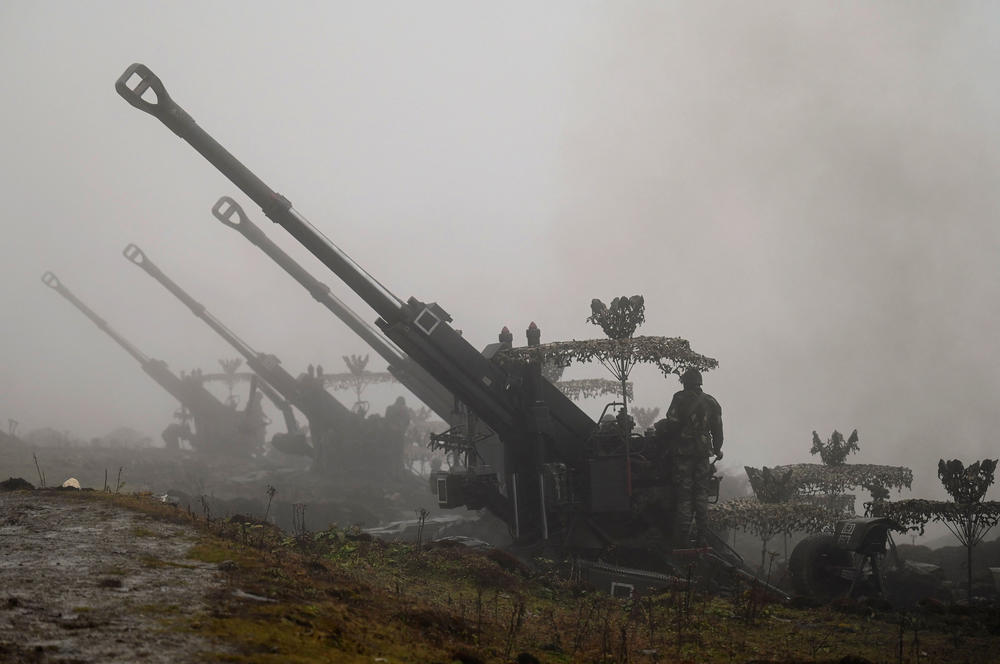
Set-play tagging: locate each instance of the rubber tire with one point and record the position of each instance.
(814, 565)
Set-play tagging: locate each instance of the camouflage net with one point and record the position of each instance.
(619, 320)
(968, 517)
(588, 388)
(351, 381)
(916, 513)
(672, 355)
(772, 485)
(835, 450)
(818, 479)
(967, 485)
(765, 520)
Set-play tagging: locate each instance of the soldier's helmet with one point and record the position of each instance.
(690, 378)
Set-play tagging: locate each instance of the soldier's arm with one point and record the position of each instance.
(671, 422)
(716, 427)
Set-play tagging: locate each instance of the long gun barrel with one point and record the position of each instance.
(319, 406)
(420, 329)
(216, 422)
(52, 281)
(405, 370)
(274, 205)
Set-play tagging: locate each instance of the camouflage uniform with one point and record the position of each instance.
(397, 420)
(694, 426)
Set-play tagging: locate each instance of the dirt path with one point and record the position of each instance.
(86, 581)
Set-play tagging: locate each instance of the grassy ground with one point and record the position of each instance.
(340, 596)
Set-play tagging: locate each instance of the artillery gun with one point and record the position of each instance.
(218, 428)
(567, 484)
(342, 439)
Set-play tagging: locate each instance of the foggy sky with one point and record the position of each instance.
(807, 192)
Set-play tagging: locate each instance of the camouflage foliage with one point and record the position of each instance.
(967, 485)
(672, 355)
(765, 520)
(588, 388)
(834, 452)
(813, 479)
(620, 320)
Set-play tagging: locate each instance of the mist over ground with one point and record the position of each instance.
(806, 192)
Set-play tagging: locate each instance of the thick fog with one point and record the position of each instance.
(807, 192)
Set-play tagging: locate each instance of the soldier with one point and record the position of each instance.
(175, 433)
(397, 415)
(397, 419)
(693, 425)
(171, 436)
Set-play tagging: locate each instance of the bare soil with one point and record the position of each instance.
(87, 581)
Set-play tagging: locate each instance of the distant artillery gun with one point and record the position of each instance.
(339, 436)
(968, 515)
(843, 554)
(219, 428)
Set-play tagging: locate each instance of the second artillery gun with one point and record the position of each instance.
(218, 428)
(567, 484)
(343, 440)
(465, 428)
(410, 374)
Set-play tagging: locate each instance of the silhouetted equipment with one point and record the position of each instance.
(294, 439)
(849, 562)
(567, 483)
(291, 424)
(218, 427)
(335, 429)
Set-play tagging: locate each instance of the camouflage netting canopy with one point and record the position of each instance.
(349, 381)
(817, 479)
(672, 355)
(916, 513)
(766, 520)
(588, 388)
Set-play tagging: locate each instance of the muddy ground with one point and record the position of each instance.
(84, 581)
(221, 487)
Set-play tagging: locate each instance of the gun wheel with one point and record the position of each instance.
(816, 565)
